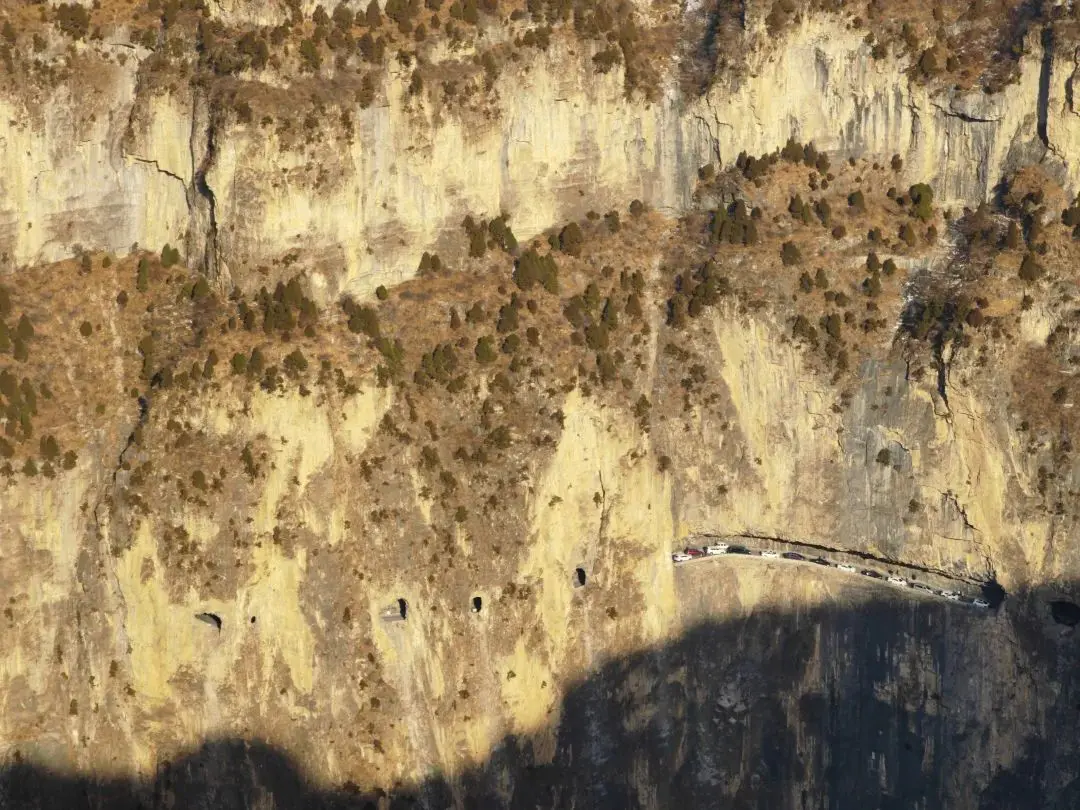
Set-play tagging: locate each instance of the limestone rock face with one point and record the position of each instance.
(247, 595)
(126, 165)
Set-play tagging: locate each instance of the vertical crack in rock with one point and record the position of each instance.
(202, 204)
(1043, 102)
(202, 232)
(104, 500)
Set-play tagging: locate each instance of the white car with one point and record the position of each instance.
(771, 554)
(952, 596)
(981, 603)
(718, 548)
(848, 567)
(681, 557)
(900, 582)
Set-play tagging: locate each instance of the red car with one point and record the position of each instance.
(695, 552)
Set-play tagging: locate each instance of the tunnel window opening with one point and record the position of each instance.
(210, 618)
(477, 604)
(1064, 612)
(403, 608)
(253, 620)
(579, 578)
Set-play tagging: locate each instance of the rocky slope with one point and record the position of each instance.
(120, 155)
(247, 521)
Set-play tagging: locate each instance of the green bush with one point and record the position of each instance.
(532, 268)
(169, 256)
(295, 363)
(475, 314)
(571, 239)
(637, 208)
(73, 20)
(485, 350)
(24, 330)
(575, 311)
(1030, 269)
(609, 317)
(256, 364)
(831, 323)
(500, 231)
(922, 201)
(50, 449)
(309, 53)
(508, 319)
(142, 279)
(596, 336)
(362, 319)
(789, 254)
(86, 329)
(1013, 237)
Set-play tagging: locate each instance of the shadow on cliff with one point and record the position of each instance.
(894, 703)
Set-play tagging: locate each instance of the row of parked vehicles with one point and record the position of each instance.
(715, 549)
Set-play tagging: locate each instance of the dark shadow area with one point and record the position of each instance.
(579, 578)
(891, 704)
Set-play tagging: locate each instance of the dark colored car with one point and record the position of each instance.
(738, 550)
(820, 561)
(869, 572)
(792, 555)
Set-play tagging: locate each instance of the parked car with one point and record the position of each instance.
(738, 550)
(680, 557)
(922, 586)
(952, 596)
(770, 554)
(792, 555)
(694, 552)
(900, 582)
(716, 548)
(981, 603)
(870, 572)
(820, 561)
(848, 567)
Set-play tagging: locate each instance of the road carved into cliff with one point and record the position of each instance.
(992, 594)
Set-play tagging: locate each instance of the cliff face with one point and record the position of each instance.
(422, 551)
(746, 679)
(147, 163)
